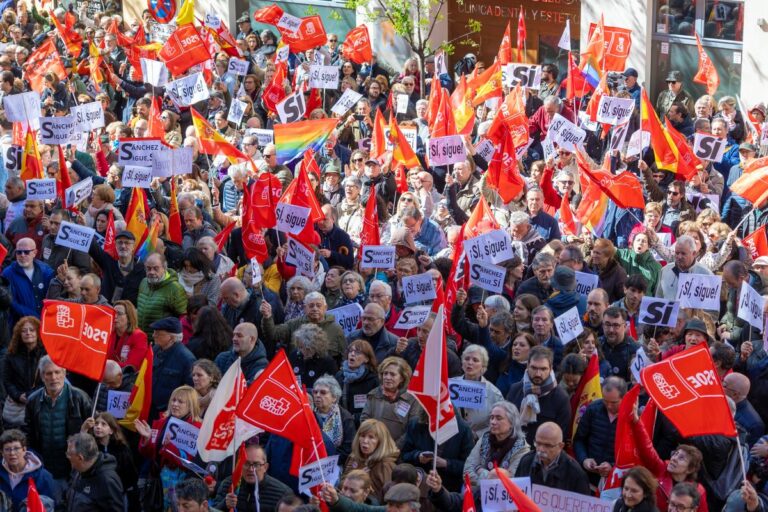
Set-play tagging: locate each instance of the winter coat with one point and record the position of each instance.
(250, 311)
(253, 363)
(478, 466)
(129, 349)
(20, 371)
(566, 475)
(171, 368)
(160, 300)
(560, 302)
(395, 414)
(309, 370)
(278, 336)
(612, 279)
(555, 406)
(644, 264)
(383, 342)
(114, 285)
(271, 490)
(27, 294)
(354, 395)
(34, 470)
(619, 356)
(595, 435)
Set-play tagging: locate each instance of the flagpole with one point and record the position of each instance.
(741, 457)
(440, 311)
(96, 400)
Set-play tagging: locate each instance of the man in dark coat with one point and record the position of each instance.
(95, 485)
(271, 490)
(240, 305)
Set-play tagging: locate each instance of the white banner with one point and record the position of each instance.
(291, 219)
(419, 288)
(640, 361)
(323, 77)
(751, 306)
(348, 100)
(56, 130)
(487, 276)
(446, 150)
(565, 134)
(238, 66)
(263, 137)
(555, 500)
(660, 312)
(494, 497)
(569, 325)
(292, 108)
(485, 150)
(88, 116)
(78, 192)
(468, 394)
(699, 291)
(492, 247)
(188, 90)
(401, 103)
(348, 317)
(526, 75)
(236, 111)
(708, 147)
(74, 236)
(40, 190)
(155, 72)
(301, 257)
(585, 282)
(413, 317)
(378, 256)
(289, 22)
(135, 176)
(318, 472)
(183, 436)
(614, 111)
(23, 107)
(138, 151)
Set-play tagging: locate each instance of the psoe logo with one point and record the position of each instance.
(276, 406)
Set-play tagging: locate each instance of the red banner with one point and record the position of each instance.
(357, 47)
(40, 62)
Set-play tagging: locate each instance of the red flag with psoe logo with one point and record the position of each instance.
(43, 60)
(504, 56)
(266, 191)
(184, 49)
(522, 35)
(757, 243)
(76, 336)
(370, 235)
(357, 46)
(252, 234)
(310, 34)
(274, 92)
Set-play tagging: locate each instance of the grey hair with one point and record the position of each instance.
(688, 241)
(209, 241)
(481, 352)
(315, 296)
(352, 180)
(614, 382)
(378, 309)
(45, 362)
(422, 102)
(549, 100)
(237, 171)
(513, 415)
(84, 445)
(381, 284)
(331, 383)
(178, 337)
(311, 336)
(544, 258)
(517, 218)
(300, 281)
(497, 302)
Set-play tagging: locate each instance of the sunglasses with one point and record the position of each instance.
(671, 193)
(357, 160)
(334, 40)
(24, 251)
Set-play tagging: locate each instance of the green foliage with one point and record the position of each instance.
(310, 11)
(336, 15)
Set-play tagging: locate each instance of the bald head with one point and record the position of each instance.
(245, 336)
(736, 386)
(548, 442)
(113, 375)
(233, 292)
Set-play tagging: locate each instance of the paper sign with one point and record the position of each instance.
(289, 22)
(401, 103)
(637, 141)
(487, 276)
(324, 470)
(291, 219)
(56, 130)
(494, 496)
(548, 147)
(556, 500)
(658, 312)
(155, 72)
(135, 176)
(75, 236)
(263, 137)
(88, 116)
(699, 291)
(23, 107)
(419, 288)
(78, 192)
(238, 66)
(212, 20)
(413, 317)
(323, 77)
(138, 151)
(118, 402)
(565, 38)
(614, 111)
(708, 147)
(751, 306)
(188, 90)
(182, 435)
(378, 256)
(569, 325)
(701, 201)
(565, 134)
(586, 282)
(292, 108)
(301, 257)
(348, 317)
(584, 121)
(411, 136)
(640, 361)
(485, 150)
(525, 75)
(468, 394)
(348, 100)
(446, 150)
(492, 247)
(618, 136)
(236, 111)
(170, 162)
(40, 190)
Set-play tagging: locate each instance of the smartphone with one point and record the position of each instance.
(359, 117)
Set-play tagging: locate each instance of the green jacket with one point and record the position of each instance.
(644, 264)
(272, 335)
(156, 301)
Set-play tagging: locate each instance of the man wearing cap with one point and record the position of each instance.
(332, 184)
(633, 88)
(120, 279)
(674, 94)
(383, 183)
(760, 267)
(215, 105)
(565, 297)
(172, 364)
(401, 497)
(244, 26)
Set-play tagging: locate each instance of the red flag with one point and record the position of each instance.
(309, 163)
(618, 42)
(522, 34)
(274, 92)
(401, 179)
(461, 103)
(34, 503)
(270, 14)
(503, 174)
(109, 236)
(433, 101)
(504, 56)
(687, 390)
(688, 164)
(370, 235)
(469, 502)
(266, 191)
(252, 235)
(458, 278)
(625, 451)
(429, 384)
(314, 102)
(752, 186)
(623, 188)
(756, 243)
(300, 193)
(567, 221)
(216, 439)
(310, 34)
(184, 49)
(487, 85)
(124, 41)
(707, 73)
(402, 151)
(174, 216)
(444, 123)
(63, 182)
(72, 40)
(222, 37)
(156, 129)
(223, 237)
(511, 117)
(379, 136)
(480, 221)
(76, 336)
(44, 59)
(357, 46)
(576, 85)
(523, 502)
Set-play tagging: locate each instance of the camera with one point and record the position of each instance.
(616, 81)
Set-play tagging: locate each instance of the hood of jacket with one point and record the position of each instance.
(33, 464)
(170, 277)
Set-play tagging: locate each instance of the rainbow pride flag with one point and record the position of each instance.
(293, 139)
(150, 244)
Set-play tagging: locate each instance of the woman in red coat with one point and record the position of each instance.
(128, 344)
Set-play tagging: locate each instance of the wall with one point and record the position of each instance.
(754, 66)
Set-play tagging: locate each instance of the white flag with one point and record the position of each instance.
(565, 39)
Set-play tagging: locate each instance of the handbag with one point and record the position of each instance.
(13, 412)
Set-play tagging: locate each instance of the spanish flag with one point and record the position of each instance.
(487, 85)
(31, 167)
(137, 217)
(588, 391)
(214, 143)
(664, 149)
(141, 394)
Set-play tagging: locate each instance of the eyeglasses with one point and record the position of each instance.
(349, 280)
(356, 160)
(254, 465)
(333, 40)
(406, 199)
(677, 507)
(24, 251)
(12, 449)
(611, 325)
(672, 193)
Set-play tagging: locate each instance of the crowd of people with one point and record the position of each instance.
(201, 303)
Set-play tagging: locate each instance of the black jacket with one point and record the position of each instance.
(567, 475)
(20, 371)
(78, 409)
(340, 244)
(595, 435)
(250, 312)
(360, 389)
(271, 490)
(112, 278)
(307, 371)
(555, 406)
(98, 489)
(532, 286)
(254, 362)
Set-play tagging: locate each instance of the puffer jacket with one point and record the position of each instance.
(98, 489)
(157, 301)
(277, 336)
(171, 368)
(595, 435)
(560, 302)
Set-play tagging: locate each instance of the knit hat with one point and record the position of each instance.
(564, 279)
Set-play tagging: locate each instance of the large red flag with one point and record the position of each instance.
(310, 34)
(504, 56)
(752, 186)
(252, 235)
(503, 174)
(43, 60)
(461, 103)
(523, 502)
(357, 46)
(76, 336)
(270, 14)
(511, 118)
(618, 42)
(687, 390)
(370, 235)
(576, 85)
(184, 49)
(265, 193)
(300, 193)
(688, 164)
(707, 73)
(402, 151)
(624, 188)
(757, 243)
(274, 92)
(522, 35)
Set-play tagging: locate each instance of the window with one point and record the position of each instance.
(676, 17)
(724, 20)
(711, 19)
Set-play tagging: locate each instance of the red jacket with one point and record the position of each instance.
(129, 349)
(153, 449)
(538, 124)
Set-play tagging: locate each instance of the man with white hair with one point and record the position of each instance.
(685, 262)
(232, 187)
(172, 366)
(29, 279)
(374, 332)
(380, 293)
(525, 236)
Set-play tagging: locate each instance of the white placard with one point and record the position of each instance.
(637, 141)
(138, 151)
(74, 236)
(487, 276)
(658, 312)
(565, 134)
(348, 100)
(701, 201)
(492, 247)
(419, 288)
(378, 256)
(78, 192)
(88, 116)
(155, 72)
(183, 436)
(446, 150)
(525, 75)
(468, 394)
(118, 402)
(289, 22)
(556, 500)
(301, 257)
(640, 361)
(586, 282)
(586, 122)
(412, 317)
(40, 190)
(188, 90)
(263, 137)
(212, 20)
(494, 497)
(569, 325)
(170, 162)
(238, 66)
(411, 135)
(565, 38)
(348, 317)
(548, 147)
(24, 107)
(236, 111)
(323, 77)
(708, 147)
(699, 291)
(136, 176)
(56, 130)
(292, 108)
(291, 219)
(401, 103)
(318, 472)
(80, 141)
(614, 111)
(664, 50)
(485, 150)
(751, 306)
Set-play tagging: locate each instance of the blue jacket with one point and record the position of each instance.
(561, 302)
(546, 225)
(730, 158)
(338, 242)
(619, 223)
(430, 238)
(171, 368)
(254, 362)
(28, 295)
(41, 476)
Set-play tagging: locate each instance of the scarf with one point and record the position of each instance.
(188, 280)
(530, 407)
(344, 300)
(351, 375)
(498, 449)
(294, 310)
(333, 427)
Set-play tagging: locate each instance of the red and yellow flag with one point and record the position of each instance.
(214, 143)
(72, 40)
(664, 149)
(138, 218)
(587, 392)
(141, 394)
(463, 111)
(401, 151)
(31, 166)
(487, 85)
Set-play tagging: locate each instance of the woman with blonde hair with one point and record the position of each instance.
(374, 451)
